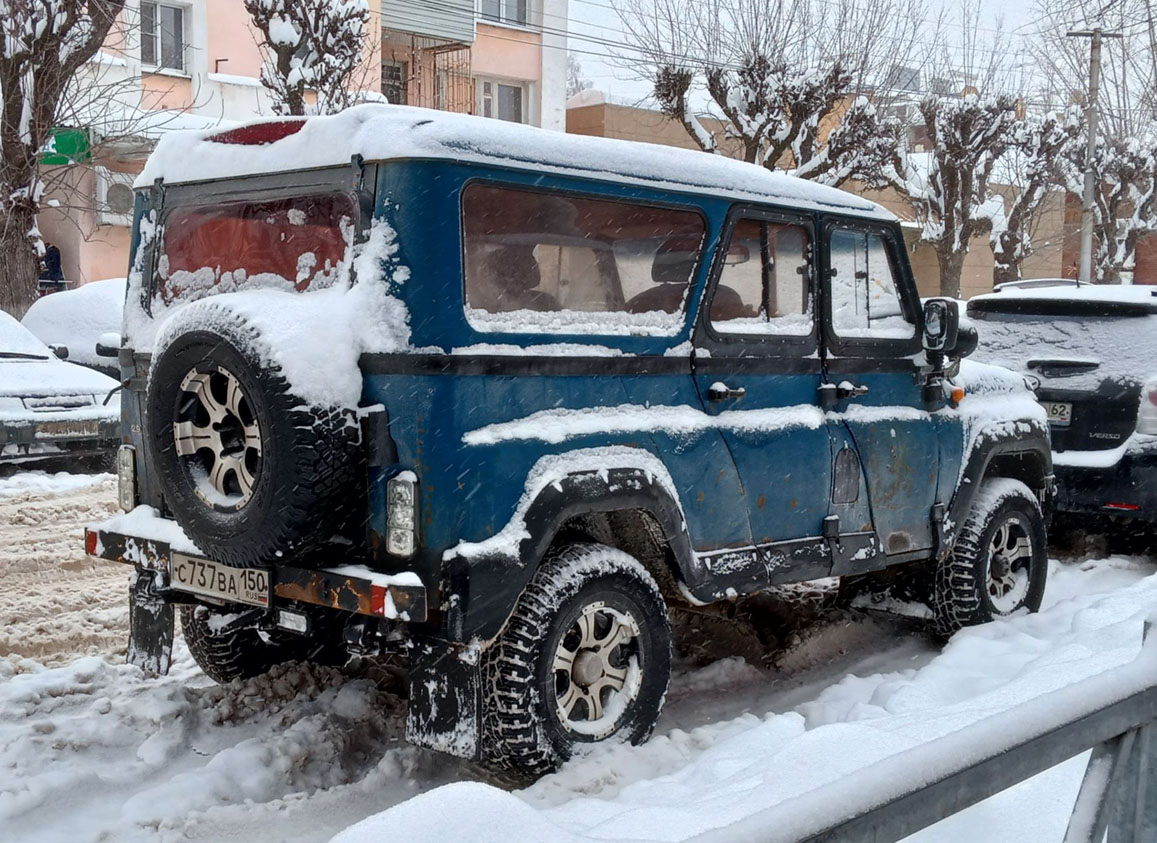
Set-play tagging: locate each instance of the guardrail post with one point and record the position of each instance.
(1133, 818)
(1097, 798)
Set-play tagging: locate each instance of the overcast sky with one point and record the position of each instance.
(594, 23)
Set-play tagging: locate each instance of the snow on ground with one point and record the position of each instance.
(91, 749)
(55, 604)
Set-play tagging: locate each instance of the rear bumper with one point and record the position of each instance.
(1127, 489)
(349, 589)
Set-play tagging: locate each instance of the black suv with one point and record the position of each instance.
(1091, 354)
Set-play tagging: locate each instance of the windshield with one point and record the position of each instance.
(1068, 346)
(16, 341)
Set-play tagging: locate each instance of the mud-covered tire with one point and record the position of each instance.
(305, 485)
(246, 652)
(523, 732)
(969, 585)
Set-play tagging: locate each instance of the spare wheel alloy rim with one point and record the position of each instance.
(217, 438)
(597, 670)
(1010, 560)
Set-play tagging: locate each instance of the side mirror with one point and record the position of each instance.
(108, 345)
(61, 351)
(941, 325)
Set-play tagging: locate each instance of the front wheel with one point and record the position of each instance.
(585, 657)
(999, 563)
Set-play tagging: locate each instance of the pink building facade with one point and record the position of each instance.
(196, 63)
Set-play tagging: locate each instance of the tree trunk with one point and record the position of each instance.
(1003, 272)
(951, 268)
(20, 267)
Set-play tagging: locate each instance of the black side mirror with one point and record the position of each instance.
(941, 325)
(61, 351)
(108, 345)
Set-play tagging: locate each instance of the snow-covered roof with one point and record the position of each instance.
(1137, 294)
(391, 132)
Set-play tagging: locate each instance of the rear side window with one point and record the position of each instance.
(296, 243)
(555, 263)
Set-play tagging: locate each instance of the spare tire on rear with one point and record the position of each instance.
(250, 470)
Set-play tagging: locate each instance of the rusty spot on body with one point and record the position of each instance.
(760, 501)
(699, 497)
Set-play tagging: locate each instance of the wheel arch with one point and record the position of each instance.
(631, 508)
(1016, 455)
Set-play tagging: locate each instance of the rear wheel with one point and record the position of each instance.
(585, 657)
(999, 564)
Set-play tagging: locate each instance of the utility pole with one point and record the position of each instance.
(1097, 34)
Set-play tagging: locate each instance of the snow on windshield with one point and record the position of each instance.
(16, 339)
(1121, 346)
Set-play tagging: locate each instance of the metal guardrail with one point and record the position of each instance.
(1117, 801)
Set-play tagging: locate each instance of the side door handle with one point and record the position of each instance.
(720, 391)
(847, 389)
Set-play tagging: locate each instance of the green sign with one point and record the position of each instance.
(67, 146)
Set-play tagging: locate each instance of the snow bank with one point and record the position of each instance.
(863, 740)
(384, 132)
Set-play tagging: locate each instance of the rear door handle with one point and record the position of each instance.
(720, 391)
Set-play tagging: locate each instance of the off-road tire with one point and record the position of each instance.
(960, 595)
(244, 653)
(309, 484)
(522, 734)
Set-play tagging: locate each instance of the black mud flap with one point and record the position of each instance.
(150, 625)
(444, 710)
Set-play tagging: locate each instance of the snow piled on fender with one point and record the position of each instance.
(313, 339)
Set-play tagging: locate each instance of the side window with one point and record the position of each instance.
(765, 284)
(865, 299)
(555, 263)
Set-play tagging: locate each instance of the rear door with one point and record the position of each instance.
(872, 340)
(758, 373)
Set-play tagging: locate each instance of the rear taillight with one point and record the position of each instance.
(1147, 417)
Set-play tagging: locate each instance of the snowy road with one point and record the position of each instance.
(92, 750)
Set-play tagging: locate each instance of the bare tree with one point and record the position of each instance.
(1035, 165)
(310, 44)
(43, 43)
(575, 81)
(789, 83)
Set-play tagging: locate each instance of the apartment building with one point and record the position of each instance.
(195, 64)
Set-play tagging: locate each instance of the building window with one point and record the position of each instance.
(502, 100)
(394, 78)
(163, 36)
(505, 11)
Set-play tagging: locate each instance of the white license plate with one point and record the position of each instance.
(234, 585)
(1060, 413)
(67, 429)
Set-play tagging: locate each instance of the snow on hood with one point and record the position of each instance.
(383, 132)
(1139, 294)
(76, 318)
(23, 378)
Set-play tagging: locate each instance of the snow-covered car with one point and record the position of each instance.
(1091, 354)
(51, 409)
(495, 398)
(1036, 283)
(78, 318)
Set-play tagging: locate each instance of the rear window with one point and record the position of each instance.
(297, 243)
(553, 263)
(1084, 349)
